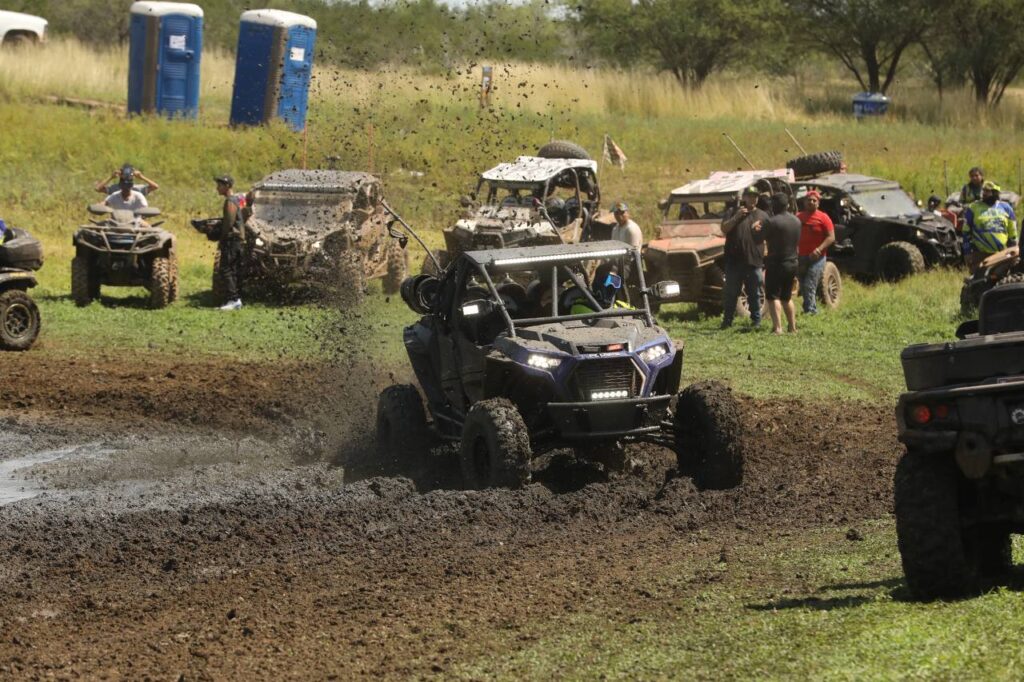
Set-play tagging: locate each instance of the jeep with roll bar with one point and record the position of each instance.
(959, 489)
(690, 246)
(511, 372)
(531, 201)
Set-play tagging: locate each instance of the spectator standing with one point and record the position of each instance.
(782, 236)
(971, 192)
(232, 234)
(625, 229)
(744, 258)
(990, 226)
(817, 233)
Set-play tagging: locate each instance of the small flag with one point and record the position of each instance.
(613, 153)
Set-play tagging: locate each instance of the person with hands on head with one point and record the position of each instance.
(744, 258)
(126, 177)
(817, 234)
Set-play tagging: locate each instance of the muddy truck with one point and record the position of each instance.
(512, 372)
(21, 255)
(690, 246)
(322, 230)
(532, 201)
(122, 249)
(959, 489)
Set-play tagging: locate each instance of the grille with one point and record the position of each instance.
(616, 374)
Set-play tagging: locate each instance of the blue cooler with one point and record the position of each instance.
(870, 104)
(273, 67)
(163, 68)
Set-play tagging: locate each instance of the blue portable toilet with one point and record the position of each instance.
(273, 67)
(164, 55)
(870, 104)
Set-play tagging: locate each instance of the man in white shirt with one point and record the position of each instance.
(626, 230)
(127, 198)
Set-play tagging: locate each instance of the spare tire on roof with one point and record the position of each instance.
(562, 149)
(816, 164)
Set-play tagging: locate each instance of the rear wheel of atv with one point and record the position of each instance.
(402, 435)
(398, 267)
(84, 287)
(174, 279)
(562, 149)
(351, 289)
(19, 320)
(429, 268)
(1013, 278)
(709, 436)
(160, 287)
(816, 164)
(897, 260)
(495, 450)
(830, 290)
(218, 286)
(940, 559)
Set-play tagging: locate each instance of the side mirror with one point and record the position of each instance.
(968, 328)
(100, 209)
(663, 291)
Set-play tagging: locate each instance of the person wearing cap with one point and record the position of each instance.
(625, 229)
(781, 235)
(817, 233)
(126, 198)
(744, 258)
(971, 192)
(232, 234)
(990, 226)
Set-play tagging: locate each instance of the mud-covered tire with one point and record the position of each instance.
(218, 286)
(816, 164)
(175, 290)
(495, 450)
(429, 268)
(897, 260)
(709, 436)
(160, 283)
(830, 289)
(351, 281)
(83, 281)
(398, 268)
(938, 560)
(1012, 278)
(714, 276)
(19, 320)
(403, 438)
(563, 149)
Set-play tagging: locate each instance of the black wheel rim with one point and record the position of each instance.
(17, 321)
(833, 289)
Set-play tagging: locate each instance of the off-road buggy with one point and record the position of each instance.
(960, 486)
(122, 249)
(880, 231)
(513, 372)
(21, 255)
(324, 230)
(690, 245)
(531, 201)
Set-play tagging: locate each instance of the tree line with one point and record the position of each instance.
(978, 43)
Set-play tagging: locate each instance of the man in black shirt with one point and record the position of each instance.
(744, 258)
(782, 234)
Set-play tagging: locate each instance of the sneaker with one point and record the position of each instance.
(232, 305)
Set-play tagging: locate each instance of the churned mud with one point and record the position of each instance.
(197, 521)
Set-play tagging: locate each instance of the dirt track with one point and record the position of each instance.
(213, 544)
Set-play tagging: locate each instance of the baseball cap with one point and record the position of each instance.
(224, 180)
(991, 186)
(620, 207)
(751, 190)
(813, 193)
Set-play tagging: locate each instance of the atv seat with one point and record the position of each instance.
(1002, 310)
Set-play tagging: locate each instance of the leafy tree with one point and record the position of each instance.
(869, 37)
(989, 50)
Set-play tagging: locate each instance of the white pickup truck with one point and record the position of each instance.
(17, 29)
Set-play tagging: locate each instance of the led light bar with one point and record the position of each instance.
(609, 395)
(557, 257)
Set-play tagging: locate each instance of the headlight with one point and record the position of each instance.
(260, 242)
(649, 355)
(542, 361)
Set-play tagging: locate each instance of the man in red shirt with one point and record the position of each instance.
(817, 233)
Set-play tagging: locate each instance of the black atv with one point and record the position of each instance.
(511, 372)
(960, 486)
(1002, 267)
(121, 249)
(21, 255)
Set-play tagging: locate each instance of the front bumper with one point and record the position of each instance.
(609, 419)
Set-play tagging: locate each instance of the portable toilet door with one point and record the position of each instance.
(273, 68)
(164, 58)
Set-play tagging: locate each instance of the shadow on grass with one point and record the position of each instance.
(139, 302)
(897, 591)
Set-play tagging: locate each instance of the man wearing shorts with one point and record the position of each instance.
(782, 235)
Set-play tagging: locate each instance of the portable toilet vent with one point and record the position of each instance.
(164, 55)
(273, 67)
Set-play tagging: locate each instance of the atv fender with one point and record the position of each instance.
(17, 279)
